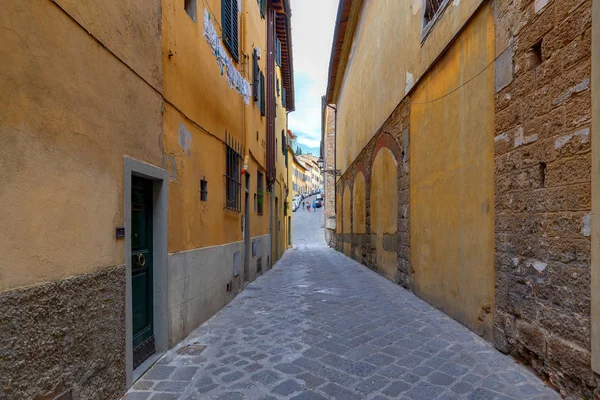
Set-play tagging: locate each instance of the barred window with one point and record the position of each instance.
(259, 192)
(232, 175)
(255, 76)
(263, 108)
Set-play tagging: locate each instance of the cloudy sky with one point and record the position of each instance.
(313, 22)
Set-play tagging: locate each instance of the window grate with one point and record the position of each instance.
(233, 186)
(255, 76)
(260, 194)
(263, 110)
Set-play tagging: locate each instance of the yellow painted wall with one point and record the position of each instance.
(387, 48)
(281, 169)
(346, 220)
(291, 194)
(384, 208)
(452, 181)
(193, 82)
(69, 114)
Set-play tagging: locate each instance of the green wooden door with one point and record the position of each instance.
(141, 269)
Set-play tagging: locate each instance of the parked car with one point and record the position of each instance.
(295, 205)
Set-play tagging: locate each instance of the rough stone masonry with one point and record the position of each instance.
(543, 189)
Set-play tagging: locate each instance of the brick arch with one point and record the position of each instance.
(386, 140)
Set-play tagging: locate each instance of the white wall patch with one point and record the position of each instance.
(410, 82)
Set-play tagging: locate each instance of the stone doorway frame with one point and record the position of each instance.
(160, 209)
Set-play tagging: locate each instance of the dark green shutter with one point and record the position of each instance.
(263, 8)
(278, 51)
(262, 94)
(284, 97)
(229, 24)
(256, 73)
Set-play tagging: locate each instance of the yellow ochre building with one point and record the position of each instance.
(144, 180)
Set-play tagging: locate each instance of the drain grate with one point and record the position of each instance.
(191, 350)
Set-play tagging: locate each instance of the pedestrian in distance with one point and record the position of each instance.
(303, 205)
(308, 206)
(315, 206)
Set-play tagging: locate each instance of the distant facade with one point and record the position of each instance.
(466, 164)
(315, 178)
(144, 180)
(299, 177)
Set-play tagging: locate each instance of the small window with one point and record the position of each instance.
(262, 95)
(263, 7)
(284, 97)
(229, 24)
(283, 141)
(277, 81)
(203, 190)
(278, 51)
(190, 8)
(260, 195)
(431, 12)
(255, 76)
(232, 175)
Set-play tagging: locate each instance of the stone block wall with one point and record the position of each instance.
(543, 188)
(394, 135)
(329, 179)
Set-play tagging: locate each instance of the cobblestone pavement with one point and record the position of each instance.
(321, 326)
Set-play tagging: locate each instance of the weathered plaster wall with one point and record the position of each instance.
(116, 22)
(384, 211)
(451, 179)
(366, 98)
(46, 348)
(70, 113)
(543, 190)
(207, 99)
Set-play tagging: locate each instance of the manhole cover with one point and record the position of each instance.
(191, 350)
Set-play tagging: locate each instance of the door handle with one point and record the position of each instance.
(141, 260)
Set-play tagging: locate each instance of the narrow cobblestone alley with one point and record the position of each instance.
(321, 326)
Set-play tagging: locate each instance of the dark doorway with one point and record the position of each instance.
(142, 288)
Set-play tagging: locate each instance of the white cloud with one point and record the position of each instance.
(313, 23)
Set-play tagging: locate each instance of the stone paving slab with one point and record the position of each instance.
(321, 326)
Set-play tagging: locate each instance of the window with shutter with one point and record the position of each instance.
(255, 77)
(277, 86)
(262, 94)
(263, 8)
(283, 97)
(229, 24)
(278, 51)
